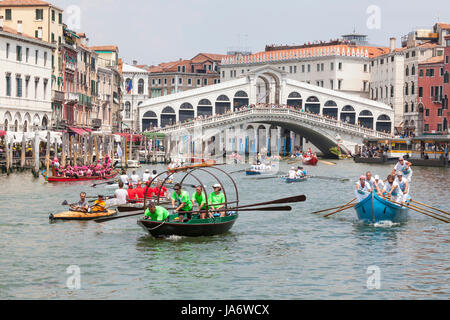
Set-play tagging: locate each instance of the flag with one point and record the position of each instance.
(119, 151)
(129, 86)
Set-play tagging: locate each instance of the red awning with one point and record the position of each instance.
(87, 130)
(78, 131)
(2, 133)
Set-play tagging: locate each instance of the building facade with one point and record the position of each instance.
(43, 21)
(394, 76)
(136, 91)
(25, 81)
(340, 65)
(182, 75)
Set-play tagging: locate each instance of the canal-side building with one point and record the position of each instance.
(394, 75)
(136, 91)
(43, 21)
(430, 95)
(25, 81)
(181, 75)
(341, 65)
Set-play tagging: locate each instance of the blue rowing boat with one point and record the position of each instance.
(374, 209)
(288, 180)
(252, 173)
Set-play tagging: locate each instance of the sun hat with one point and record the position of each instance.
(377, 177)
(217, 186)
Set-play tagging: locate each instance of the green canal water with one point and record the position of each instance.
(267, 255)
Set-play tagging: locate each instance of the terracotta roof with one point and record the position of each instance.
(22, 3)
(427, 45)
(105, 48)
(443, 25)
(168, 66)
(13, 31)
(437, 59)
(211, 56)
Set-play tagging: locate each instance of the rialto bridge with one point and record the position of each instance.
(206, 120)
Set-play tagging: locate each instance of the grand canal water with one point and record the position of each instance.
(295, 255)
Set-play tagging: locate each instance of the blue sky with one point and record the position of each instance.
(154, 31)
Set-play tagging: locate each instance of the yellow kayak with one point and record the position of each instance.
(74, 215)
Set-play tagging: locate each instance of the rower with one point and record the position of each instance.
(404, 167)
(300, 172)
(199, 198)
(391, 188)
(363, 189)
(123, 177)
(216, 199)
(403, 186)
(183, 201)
(160, 190)
(139, 192)
(121, 194)
(154, 174)
(99, 205)
(82, 205)
(292, 173)
(378, 185)
(370, 180)
(135, 178)
(156, 213)
(146, 176)
(131, 193)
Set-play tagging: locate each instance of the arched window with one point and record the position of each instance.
(412, 87)
(6, 125)
(330, 109)
(295, 100)
(141, 86)
(413, 70)
(407, 71)
(348, 114)
(149, 114)
(241, 94)
(204, 108)
(44, 123)
(406, 89)
(384, 117)
(312, 105)
(222, 104)
(186, 106)
(222, 98)
(168, 116)
(204, 102)
(406, 107)
(149, 120)
(168, 110)
(330, 103)
(384, 123)
(446, 77)
(240, 99)
(365, 119)
(294, 95)
(348, 109)
(127, 110)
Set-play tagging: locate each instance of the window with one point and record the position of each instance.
(295, 69)
(427, 127)
(8, 14)
(53, 16)
(406, 108)
(413, 54)
(180, 80)
(322, 67)
(141, 86)
(60, 18)
(392, 59)
(407, 55)
(205, 82)
(412, 106)
(439, 127)
(365, 67)
(27, 81)
(39, 14)
(406, 89)
(199, 82)
(412, 88)
(290, 69)
(18, 53)
(442, 72)
(303, 68)
(45, 89)
(392, 91)
(421, 73)
(27, 54)
(173, 81)
(339, 84)
(36, 56)
(45, 59)
(53, 37)
(340, 66)
(413, 70)
(446, 59)
(7, 50)
(19, 87)
(427, 112)
(8, 85)
(407, 71)
(189, 82)
(165, 81)
(439, 112)
(331, 84)
(309, 68)
(318, 67)
(420, 92)
(36, 84)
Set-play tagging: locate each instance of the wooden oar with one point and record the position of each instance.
(98, 184)
(431, 212)
(239, 171)
(295, 199)
(286, 208)
(328, 163)
(330, 178)
(335, 207)
(340, 210)
(423, 204)
(420, 211)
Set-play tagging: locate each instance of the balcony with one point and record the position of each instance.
(57, 95)
(96, 123)
(71, 98)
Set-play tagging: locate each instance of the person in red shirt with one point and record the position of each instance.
(161, 191)
(140, 192)
(131, 193)
(150, 191)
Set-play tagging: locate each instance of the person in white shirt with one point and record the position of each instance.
(292, 173)
(363, 189)
(135, 178)
(404, 167)
(300, 172)
(154, 174)
(392, 189)
(121, 195)
(379, 185)
(403, 187)
(370, 180)
(146, 176)
(124, 178)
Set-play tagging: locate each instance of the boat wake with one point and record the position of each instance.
(385, 224)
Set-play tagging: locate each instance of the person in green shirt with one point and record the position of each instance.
(156, 213)
(184, 204)
(199, 198)
(216, 200)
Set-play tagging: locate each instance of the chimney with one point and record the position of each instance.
(134, 62)
(392, 44)
(19, 27)
(1, 23)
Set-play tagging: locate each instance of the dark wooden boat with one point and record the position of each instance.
(193, 228)
(92, 178)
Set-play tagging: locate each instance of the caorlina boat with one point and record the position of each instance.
(91, 178)
(374, 209)
(193, 228)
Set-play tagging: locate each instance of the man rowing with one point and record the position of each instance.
(391, 188)
(184, 204)
(156, 213)
(378, 185)
(199, 198)
(135, 178)
(216, 200)
(82, 205)
(146, 176)
(405, 167)
(370, 180)
(99, 205)
(124, 177)
(121, 195)
(363, 189)
(403, 186)
(292, 174)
